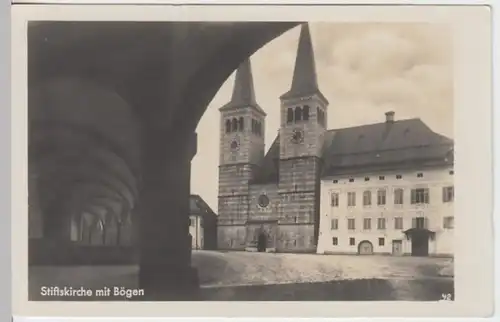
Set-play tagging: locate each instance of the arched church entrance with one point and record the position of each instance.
(365, 248)
(262, 242)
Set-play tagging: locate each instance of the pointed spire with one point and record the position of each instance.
(243, 90)
(305, 80)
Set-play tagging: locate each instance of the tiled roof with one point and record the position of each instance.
(388, 145)
(197, 206)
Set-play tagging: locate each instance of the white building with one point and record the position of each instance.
(390, 198)
(202, 224)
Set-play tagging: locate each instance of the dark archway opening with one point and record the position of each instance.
(419, 241)
(262, 242)
(365, 248)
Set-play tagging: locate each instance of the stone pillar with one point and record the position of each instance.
(165, 271)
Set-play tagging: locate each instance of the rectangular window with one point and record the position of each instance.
(351, 224)
(398, 196)
(448, 222)
(398, 223)
(381, 241)
(367, 223)
(335, 224)
(381, 178)
(352, 241)
(420, 196)
(448, 194)
(351, 199)
(334, 202)
(419, 222)
(367, 198)
(381, 196)
(335, 241)
(191, 222)
(381, 223)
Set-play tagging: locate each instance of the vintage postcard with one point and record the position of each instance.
(253, 160)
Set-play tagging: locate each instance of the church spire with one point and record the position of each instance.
(243, 90)
(305, 81)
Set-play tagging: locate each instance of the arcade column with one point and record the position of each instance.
(165, 271)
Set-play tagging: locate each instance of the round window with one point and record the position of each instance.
(263, 201)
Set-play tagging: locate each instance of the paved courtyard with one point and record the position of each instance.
(243, 268)
(260, 276)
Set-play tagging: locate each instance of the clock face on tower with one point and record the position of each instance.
(297, 136)
(234, 145)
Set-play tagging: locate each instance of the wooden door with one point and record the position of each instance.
(397, 247)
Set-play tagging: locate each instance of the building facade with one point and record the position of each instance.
(202, 224)
(377, 212)
(270, 201)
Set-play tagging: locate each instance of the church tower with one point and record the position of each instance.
(302, 131)
(242, 128)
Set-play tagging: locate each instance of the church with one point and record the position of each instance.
(271, 202)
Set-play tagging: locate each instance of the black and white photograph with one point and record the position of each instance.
(249, 160)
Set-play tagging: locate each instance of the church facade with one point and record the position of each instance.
(271, 201)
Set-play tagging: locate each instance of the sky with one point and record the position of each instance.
(364, 70)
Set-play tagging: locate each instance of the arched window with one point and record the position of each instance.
(305, 113)
(97, 232)
(234, 125)
(75, 228)
(289, 115)
(111, 230)
(298, 113)
(228, 126)
(241, 124)
(86, 228)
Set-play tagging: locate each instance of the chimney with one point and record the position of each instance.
(389, 117)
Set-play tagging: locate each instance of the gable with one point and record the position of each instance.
(198, 207)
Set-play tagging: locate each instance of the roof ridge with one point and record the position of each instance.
(371, 124)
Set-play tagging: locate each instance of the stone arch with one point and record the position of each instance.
(365, 247)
